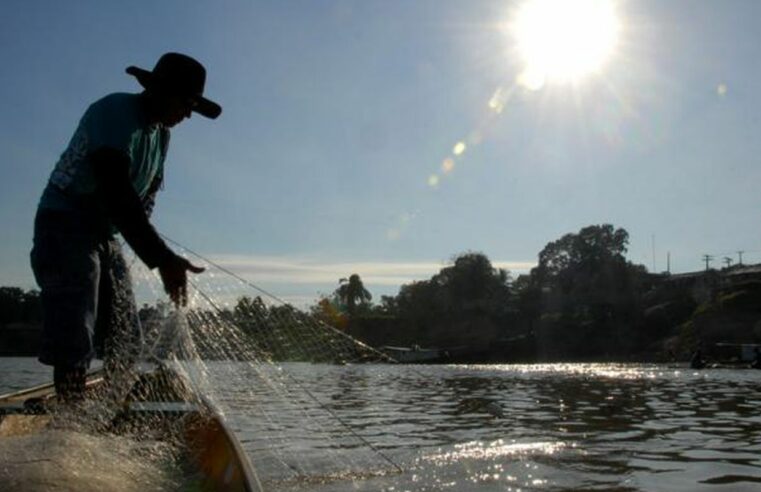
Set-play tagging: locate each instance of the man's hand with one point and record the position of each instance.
(175, 278)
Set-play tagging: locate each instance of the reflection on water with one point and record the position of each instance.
(562, 426)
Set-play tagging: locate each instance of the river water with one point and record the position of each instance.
(543, 427)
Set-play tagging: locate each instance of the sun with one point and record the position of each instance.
(564, 39)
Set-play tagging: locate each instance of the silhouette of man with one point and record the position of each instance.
(105, 182)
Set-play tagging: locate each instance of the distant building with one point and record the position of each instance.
(704, 285)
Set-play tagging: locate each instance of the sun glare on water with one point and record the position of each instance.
(563, 40)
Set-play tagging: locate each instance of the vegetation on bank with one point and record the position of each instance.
(583, 301)
(19, 306)
(20, 321)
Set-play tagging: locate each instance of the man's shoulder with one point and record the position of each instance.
(116, 115)
(117, 101)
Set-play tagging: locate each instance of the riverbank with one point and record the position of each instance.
(20, 339)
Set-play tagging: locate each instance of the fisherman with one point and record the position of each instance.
(105, 182)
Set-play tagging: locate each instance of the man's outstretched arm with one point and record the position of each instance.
(125, 209)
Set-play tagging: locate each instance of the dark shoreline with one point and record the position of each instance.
(20, 340)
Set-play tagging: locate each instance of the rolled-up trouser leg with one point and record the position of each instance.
(69, 383)
(66, 266)
(67, 269)
(87, 299)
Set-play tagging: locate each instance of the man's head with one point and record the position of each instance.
(175, 88)
(168, 109)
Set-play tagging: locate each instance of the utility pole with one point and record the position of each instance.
(668, 262)
(707, 259)
(740, 254)
(653, 241)
(728, 261)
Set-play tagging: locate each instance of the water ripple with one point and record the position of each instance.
(544, 427)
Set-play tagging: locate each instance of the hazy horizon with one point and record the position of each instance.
(384, 138)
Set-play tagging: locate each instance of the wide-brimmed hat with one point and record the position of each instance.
(178, 74)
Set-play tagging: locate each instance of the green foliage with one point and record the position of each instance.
(273, 328)
(284, 333)
(582, 298)
(592, 254)
(704, 308)
(328, 311)
(747, 299)
(732, 298)
(248, 311)
(688, 339)
(352, 293)
(388, 307)
(587, 270)
(731, 316)
(469, 290)
(584, 283)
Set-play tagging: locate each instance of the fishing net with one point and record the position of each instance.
(246, 355)
(73, 460)
(241, 353)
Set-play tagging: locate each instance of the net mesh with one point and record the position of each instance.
(245, 355)
(238, 356)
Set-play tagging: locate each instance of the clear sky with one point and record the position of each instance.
(339, 115)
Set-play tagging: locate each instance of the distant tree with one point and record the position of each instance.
(585, 285)
(11, 302)
(18, 305)
(285, 314)
(590, 250)
(327, 311)
(351, 292)
(470, 287)
(388, 306)
(250, 314)
(418, 301)
(247, 309)
(471, 283)
(527, 298)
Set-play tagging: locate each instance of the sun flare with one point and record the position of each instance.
(564, 39)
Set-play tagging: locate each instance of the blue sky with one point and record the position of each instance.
(337, 114)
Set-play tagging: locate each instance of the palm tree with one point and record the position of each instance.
(350, 291)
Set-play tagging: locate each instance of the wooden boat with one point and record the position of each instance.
(158, 399)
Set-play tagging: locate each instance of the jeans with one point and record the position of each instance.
(86, 292)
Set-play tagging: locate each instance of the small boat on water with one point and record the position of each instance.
(724, 355)
(739, 354)
(414, 354)
(158, 399)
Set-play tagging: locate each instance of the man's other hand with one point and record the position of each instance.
(175, 278)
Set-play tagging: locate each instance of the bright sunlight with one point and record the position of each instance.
(564, 40)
